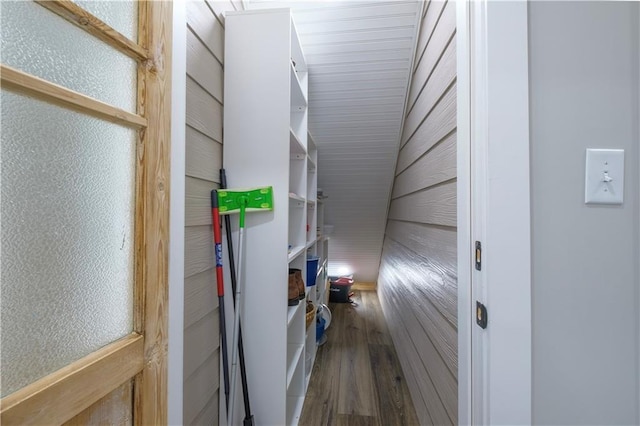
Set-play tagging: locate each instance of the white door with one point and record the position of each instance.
(493, 197)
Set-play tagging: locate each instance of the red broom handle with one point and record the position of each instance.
(217, 241)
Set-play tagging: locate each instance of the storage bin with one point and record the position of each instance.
(319, 329)
(340, 289)
(312, 270)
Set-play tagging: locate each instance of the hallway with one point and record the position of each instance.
(357, 379)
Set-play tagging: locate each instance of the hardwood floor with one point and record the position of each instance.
(357, 379)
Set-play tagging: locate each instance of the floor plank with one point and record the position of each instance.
(324, 385)
(377, 330)
(357, 378)
(355, 420)
(393, 394)
(357, 393)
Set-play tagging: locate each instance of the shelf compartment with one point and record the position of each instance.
(294, 356)
(296, 198)
(309, 353)
(311, 165)
(291, 313)
(296, 232)
(296, 49)
(298, 176)
(294, 409)
(295, 145)
(298, 99)
(295, 252)
(311, 148)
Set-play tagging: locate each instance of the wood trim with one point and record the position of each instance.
(152, 214)
(94, 26)
(139, 229)
(60, 396)
(18, 81)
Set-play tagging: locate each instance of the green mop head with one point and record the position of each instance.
(249, 200)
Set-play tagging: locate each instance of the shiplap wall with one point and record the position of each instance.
(204, 104)
(418, 281)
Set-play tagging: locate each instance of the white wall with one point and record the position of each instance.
(417, 281)
(585, 291)
(204, 35)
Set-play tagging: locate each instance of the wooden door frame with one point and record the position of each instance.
(142, 355)
(494, 208)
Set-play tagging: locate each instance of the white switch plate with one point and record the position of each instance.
(604, 176)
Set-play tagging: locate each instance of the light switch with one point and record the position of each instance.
(604, 176)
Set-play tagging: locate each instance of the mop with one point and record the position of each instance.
(240, 201)
(248, 419)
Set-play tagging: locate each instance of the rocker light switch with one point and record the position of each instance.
(604, 176)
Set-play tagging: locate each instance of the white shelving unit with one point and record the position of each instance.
(267, 143)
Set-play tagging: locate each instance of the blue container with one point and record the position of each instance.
(312, 270)
(320, 329)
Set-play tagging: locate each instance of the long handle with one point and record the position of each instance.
(248, 419)
(236, 323)
(217, 241)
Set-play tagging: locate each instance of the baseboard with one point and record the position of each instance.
(364, 286)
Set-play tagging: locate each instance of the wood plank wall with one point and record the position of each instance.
(205, 65)
(418, 279)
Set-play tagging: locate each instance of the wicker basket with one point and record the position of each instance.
(311, 313)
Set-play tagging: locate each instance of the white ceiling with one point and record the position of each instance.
(359, 55)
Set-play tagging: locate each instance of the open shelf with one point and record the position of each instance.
(291, 313)
(294, 197)
(296, 49)
(298, 99)
(295, 146)
(311, 165)
(294, 356)
(310, 352)
(294, 409)
(295, 252)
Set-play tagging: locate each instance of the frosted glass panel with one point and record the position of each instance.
(41, 43)
(120, 15)
(66, 238)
